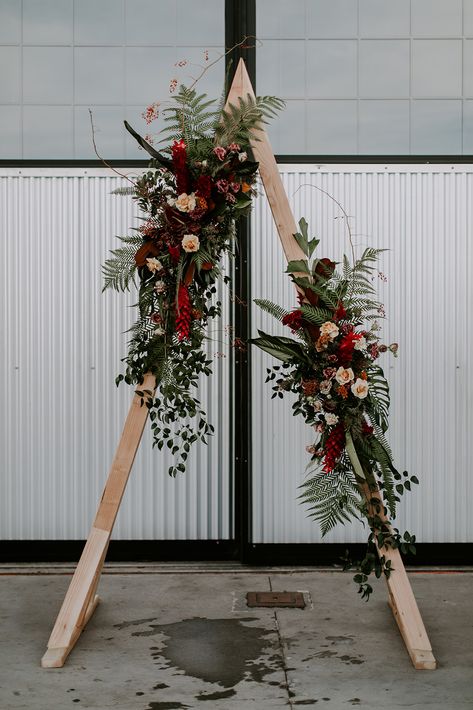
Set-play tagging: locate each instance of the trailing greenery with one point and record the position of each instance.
(330, 366)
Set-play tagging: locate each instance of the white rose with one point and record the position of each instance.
(361, 343)
(331, 419)
(185, 202)
(160, 287)
(159, 331)
(344, 376)
(190, 242)
(360, 388)
(325, 386)
(154, 264)
(317, 405)
(242, 156)
(330, 329)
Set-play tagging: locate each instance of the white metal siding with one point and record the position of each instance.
(423, 214)
(62, 342)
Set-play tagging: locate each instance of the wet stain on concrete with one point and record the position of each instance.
(201, 648)
(160, 686)
(343, 640)
(135, 622)
(325, 654)
(310, 701)
(216, 696)
(354, 660)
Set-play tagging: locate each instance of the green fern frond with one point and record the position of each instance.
(315, 315)
(333, 498)
(272, 308)
(378, 396)
(119, 270)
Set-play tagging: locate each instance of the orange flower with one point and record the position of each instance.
(202, 202)
(363, 375)
(245, 187)
(342, 391)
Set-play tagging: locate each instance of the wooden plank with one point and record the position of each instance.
(402, 599)
(80, 600)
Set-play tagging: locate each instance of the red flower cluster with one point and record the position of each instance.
(293, 320)
(203, 186)
(179, 156)
(347, 346)
(183, 313)
(333, 447)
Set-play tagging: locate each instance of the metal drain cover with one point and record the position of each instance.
(293, 600)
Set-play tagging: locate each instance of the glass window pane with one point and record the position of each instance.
(377, 59)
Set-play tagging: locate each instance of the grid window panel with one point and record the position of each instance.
(436, 18)
(332, 68)
(384, 68)
(10, 25)
(332, 127)
(48, 132)
(436, 127)
(47, 75)
(10, 80)
(331, 18)
(99, 23)
(281, 19)
(436, 68)
(381, 55)
(384, 18)
(112, 56)
(10, 131)
(47, 22)
(384, 127)
(150, 23)
(98, 75)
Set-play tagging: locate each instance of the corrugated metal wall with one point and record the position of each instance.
(423, 214)
(62, 342)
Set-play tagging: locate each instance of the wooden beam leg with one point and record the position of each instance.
(401, 597)
(81, 601)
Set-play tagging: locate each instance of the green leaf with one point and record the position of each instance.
(312, 245)
(299, 266)
(280, 347)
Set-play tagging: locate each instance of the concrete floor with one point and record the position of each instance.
(167, 637)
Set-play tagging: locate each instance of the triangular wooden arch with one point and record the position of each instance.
(81, 599)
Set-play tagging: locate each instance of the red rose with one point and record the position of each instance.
(347, 346)
(293, 320)
(174, 253)
(203, 186)
(340, 313)
(325, 268)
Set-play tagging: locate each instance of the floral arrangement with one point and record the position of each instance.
(331, 365)
(191, 195)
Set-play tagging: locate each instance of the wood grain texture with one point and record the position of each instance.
(401, 596)
(80, 600)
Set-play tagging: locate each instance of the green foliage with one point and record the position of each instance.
(272, 308)
(119, 271)
(378, 397)
(239, 120)
(315, 315)
(192, 118)
(333, 498)
(280, 347)
(356, 285)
